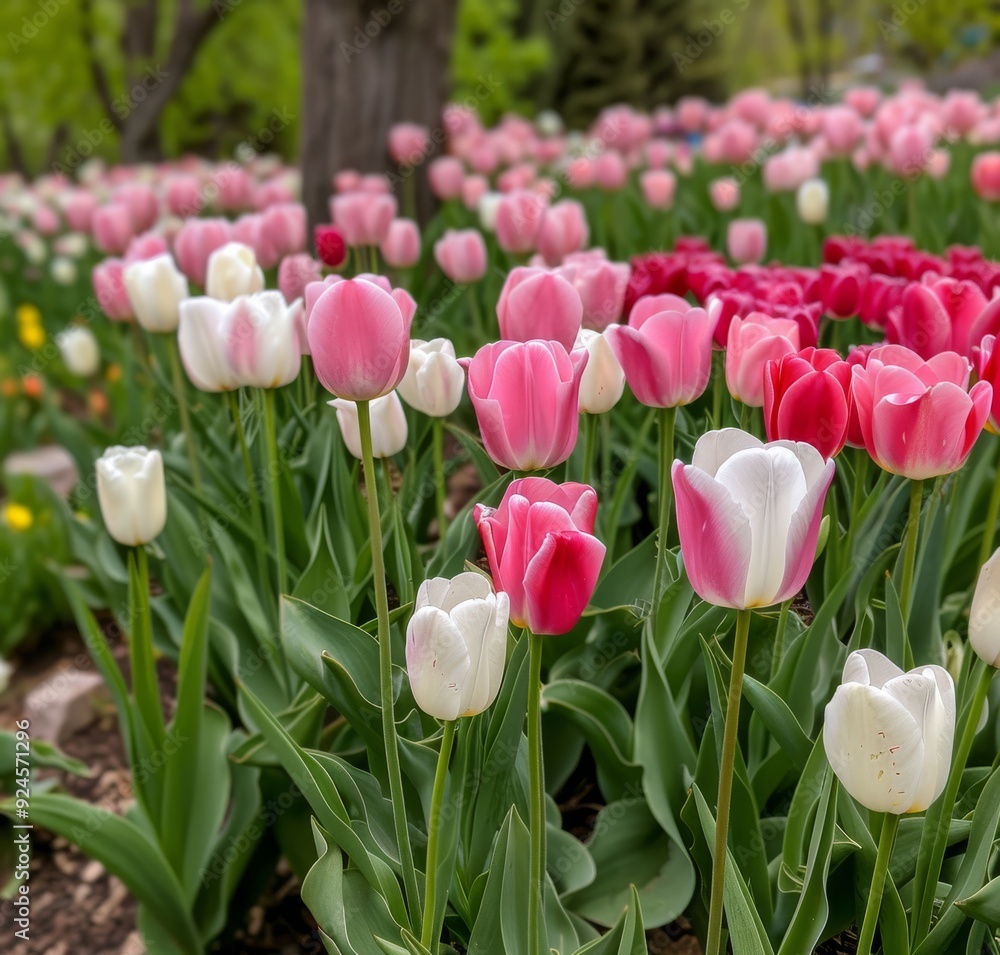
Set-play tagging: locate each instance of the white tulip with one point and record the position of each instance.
(79, 350)
(603, 380)
(488, 205)
(155, 289)
(132, 494)
(62, 270)
(6, 670)
(202, 345)
(434, 380)
(984, 617)
(549, 122)
(389, 430)
(262, 340)
(888, 734)
(233, 270)
(456, 644)
(813, 201)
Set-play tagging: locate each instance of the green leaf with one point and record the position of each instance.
(626, 938)
(779, 720)
(984, 905)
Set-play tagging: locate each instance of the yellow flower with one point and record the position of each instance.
(28, 314)
(31, 336)
(114, 372)
(17, 517)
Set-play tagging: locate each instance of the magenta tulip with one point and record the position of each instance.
(542, 552)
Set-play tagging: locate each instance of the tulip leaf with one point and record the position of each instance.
(126, 851)
(984, 905)
(779, 720)
(322, 582)
(629, 575)
(801, 812)
(626, 938)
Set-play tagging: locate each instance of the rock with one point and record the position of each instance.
(117, 894)
(92, 871)
(133, 945)
(66, 702)
(51, 463)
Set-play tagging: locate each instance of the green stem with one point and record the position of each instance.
(589, 444)
(605, 475)
(145, 687)
(992, 512)
(910, 553)
(536, 881)
(667, 419)
(274, 482)
(924, 905)
(260, 551)
(440, 481)
(434, 835)
(857, 499)
(713, 946)
(779, 637)
(182, 406)
(478, 322)
(885, 841)
(385, 666)
(718, 385)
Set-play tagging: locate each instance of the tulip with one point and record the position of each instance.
(142, 204)
(746, 240)
(262, 342)
(363, 218)
(665, 350)
(603, 380)
(132, 493)
(445, 175)
(936, 316)
(196, 241)
(518, 219)
(282, 232)
(233, 271)
(658, 187)
(984, 616)
(456, 645)
(985, 176)
(724, 194)
(610, 170)
(563, 230)
(146, 246)
(79, 351)
(359, 337)
(812, 201)
(807, 397)
(155, 290)
(401, 246)
(388, 421)
(434, 379)
(461, 255)
(987, 361)
(112, 227)
(330, 245)
(202, 344)
(489, 207)
(526, 398)
(748, 516)
(841, 288)
(295, 273)
(888, 734)
(542, 553)
(538, 304)
(914, 423)
(408, 143)
(109, 289)
(753, 342)
(183, 196)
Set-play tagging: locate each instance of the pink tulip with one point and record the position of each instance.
(962, 110)
(473, 189)
(985, 176)
(807, 397)
(78, 207)
(753, 342)
(347, 180)
(461, 255)
(610, 170)
(746, 240)
(518, 219)
(526, 396)
(986, 357)
(363, 218)
(446, 175)
(843, 129)
(184, 196)
(195, 242)
(724, 194)
(937, 316)
(295, 273)
(539, 304)
(913, 425)
(401, 246)
(146, 246)
(359, 337)
(909, 149)
(748, 517)
(235, 186)
(113, 229)
(666, 353)
(600, 284)
(109, 289)
(563, 231)
(282, 232)
(658, 187)
(142, 204)
(542, 551)
(408, 143)
(580, 172)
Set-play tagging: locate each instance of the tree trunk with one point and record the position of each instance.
(365, 67)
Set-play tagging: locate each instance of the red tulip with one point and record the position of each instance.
(330, 245)
(986, 357)
(542, 552)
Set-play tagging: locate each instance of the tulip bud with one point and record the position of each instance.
(79, 350)
(233, 271)
(445, 175)
(155, 289)
(132, 494)
(746, 240)
(389, 430)
(603, 380)
(401, 246)
(889, 734)
(109, 288)
(434, 379)
(456, 643)
(812, 201)
(461, 255)
(984, 617)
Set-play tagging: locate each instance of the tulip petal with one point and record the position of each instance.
(560, 580)
(437, 661)
(715, 447)
(803, 534)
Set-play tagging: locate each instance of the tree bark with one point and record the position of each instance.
(365, 67)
